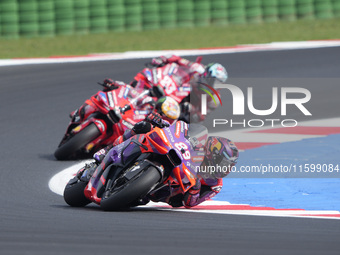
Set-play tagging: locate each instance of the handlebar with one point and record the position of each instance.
(104, 85)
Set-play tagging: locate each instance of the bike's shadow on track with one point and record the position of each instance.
(95, 208)
(51, 157)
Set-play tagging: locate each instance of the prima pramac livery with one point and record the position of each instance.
(160, 165)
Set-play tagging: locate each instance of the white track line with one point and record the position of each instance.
(58, 182)
(274, 46)
(319, 214)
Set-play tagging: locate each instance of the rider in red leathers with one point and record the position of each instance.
(199, 75)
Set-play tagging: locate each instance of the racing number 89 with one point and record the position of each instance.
(183, 146)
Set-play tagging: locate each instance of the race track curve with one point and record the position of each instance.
(35, 103)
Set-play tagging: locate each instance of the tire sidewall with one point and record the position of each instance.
(77, 142)
(135, 189)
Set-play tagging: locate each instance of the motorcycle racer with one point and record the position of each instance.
(174, 86)
(217, 151)
(199, 75)
(87, 109)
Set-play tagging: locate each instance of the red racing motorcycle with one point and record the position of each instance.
(106, 115)
(103, 118)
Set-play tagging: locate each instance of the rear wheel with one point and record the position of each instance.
(128, 192)
(74, 193)
(75, 144)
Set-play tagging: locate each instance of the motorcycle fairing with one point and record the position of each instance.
(118, 158)
(158, 141)
(101, 110)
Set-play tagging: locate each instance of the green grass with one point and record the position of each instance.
(216, 36)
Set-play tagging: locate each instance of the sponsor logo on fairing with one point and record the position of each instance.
(181, 93)
(115, 100)
(172, 69)
(126, 92)
(178, 129)
(148, 75)
(154, 76)
(102, 96)
(141, 112)
(164, 136)
(184, 88)
(170, 135)
(138, 117)
(121, 92)
(111, 103)
(197, 159)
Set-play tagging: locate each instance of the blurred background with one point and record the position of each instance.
(40, 28)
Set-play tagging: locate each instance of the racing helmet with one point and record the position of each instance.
(168, 108)
(214, 73)
(221, 154)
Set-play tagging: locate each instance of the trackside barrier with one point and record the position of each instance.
(32, 18)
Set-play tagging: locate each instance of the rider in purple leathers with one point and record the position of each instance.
(217, 150)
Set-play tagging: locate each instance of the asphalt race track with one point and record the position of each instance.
(35, 102)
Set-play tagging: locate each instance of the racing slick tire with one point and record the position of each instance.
(76, 143)
(74, 193)
(123, 196)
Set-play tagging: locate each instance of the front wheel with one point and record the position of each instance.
(74, 193)
(75, 144)
(125, 194)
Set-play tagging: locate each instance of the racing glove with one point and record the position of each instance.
(100, 155)
(159, 61)
(141, 127)
(156, 119)
(110, 84)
